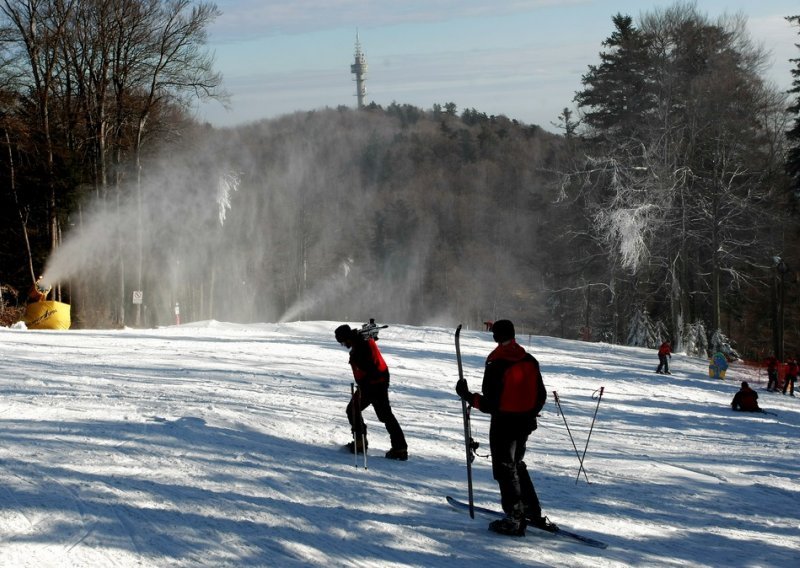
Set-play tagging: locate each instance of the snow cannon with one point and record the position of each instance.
(47, 314)
(42, 313)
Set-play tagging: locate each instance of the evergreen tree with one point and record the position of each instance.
(618, 94)
(721, 344)
(695, 340)
(661, 332)
(641, 332)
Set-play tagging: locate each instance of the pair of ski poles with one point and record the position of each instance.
(356, 407)
(581, 458)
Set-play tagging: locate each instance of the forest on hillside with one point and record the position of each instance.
(665, 208)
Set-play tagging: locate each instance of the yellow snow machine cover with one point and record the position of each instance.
(47, 315)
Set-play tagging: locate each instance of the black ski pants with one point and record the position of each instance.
(663, 363)
(507, 439)
(772, 382)
(788, 383)
(378, 397)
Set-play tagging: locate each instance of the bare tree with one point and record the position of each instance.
(39, 27)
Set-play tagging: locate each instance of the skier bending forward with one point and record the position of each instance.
(513, 393)
(372, 377)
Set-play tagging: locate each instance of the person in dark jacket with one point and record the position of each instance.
(513, 393)
(372, 379)
(772, 373)
(746, 399)
(792, 368)
(664, 353)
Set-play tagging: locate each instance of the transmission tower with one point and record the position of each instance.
(359, 69)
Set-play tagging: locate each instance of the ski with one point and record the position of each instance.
(559, 533)
(371, 329)
(469, 443)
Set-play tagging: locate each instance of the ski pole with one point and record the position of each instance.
(363, 430)
(571, 439)
(590, 433)
(353, 428)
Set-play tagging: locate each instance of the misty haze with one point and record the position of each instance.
(332, 214)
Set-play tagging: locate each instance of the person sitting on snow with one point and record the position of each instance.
(746, 399)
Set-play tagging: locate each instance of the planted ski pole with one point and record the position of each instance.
(353, 429)
(571, 439)
(590, 433)
(468, 442)
(363, 430)
(355, 406)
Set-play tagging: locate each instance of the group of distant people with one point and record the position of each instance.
(790, 376)
(746, 399)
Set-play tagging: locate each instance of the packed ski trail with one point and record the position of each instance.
(220, 445)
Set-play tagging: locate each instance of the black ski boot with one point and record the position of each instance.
(358, 446)
(542, 523)
(511, 525)
(395, 454)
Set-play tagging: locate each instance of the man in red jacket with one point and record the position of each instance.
(664, 352)
(513, 393)
(792, 369)
(746, 399)
(372, 377)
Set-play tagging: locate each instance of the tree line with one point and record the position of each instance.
(682, 174)
(665, 208)
(89, 86)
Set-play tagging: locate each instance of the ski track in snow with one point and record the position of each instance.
(216, 444)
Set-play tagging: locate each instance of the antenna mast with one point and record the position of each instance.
(359, 69)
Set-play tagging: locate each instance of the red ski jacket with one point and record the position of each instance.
(512, 382)
(368, 365)
(665, 349)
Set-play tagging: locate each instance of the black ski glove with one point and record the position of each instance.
(462, 390)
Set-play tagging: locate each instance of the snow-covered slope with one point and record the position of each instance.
(219, 445)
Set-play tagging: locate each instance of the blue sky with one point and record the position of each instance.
(520, 58)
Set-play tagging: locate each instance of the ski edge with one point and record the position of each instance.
(561, 533)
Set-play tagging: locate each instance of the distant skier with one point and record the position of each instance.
(792, 369)
(746, 399)
(372, 377)
(513, 393)
(772, 373)
(664, 352)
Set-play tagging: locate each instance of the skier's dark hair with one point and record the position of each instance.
(502, 330)
(343, 332)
